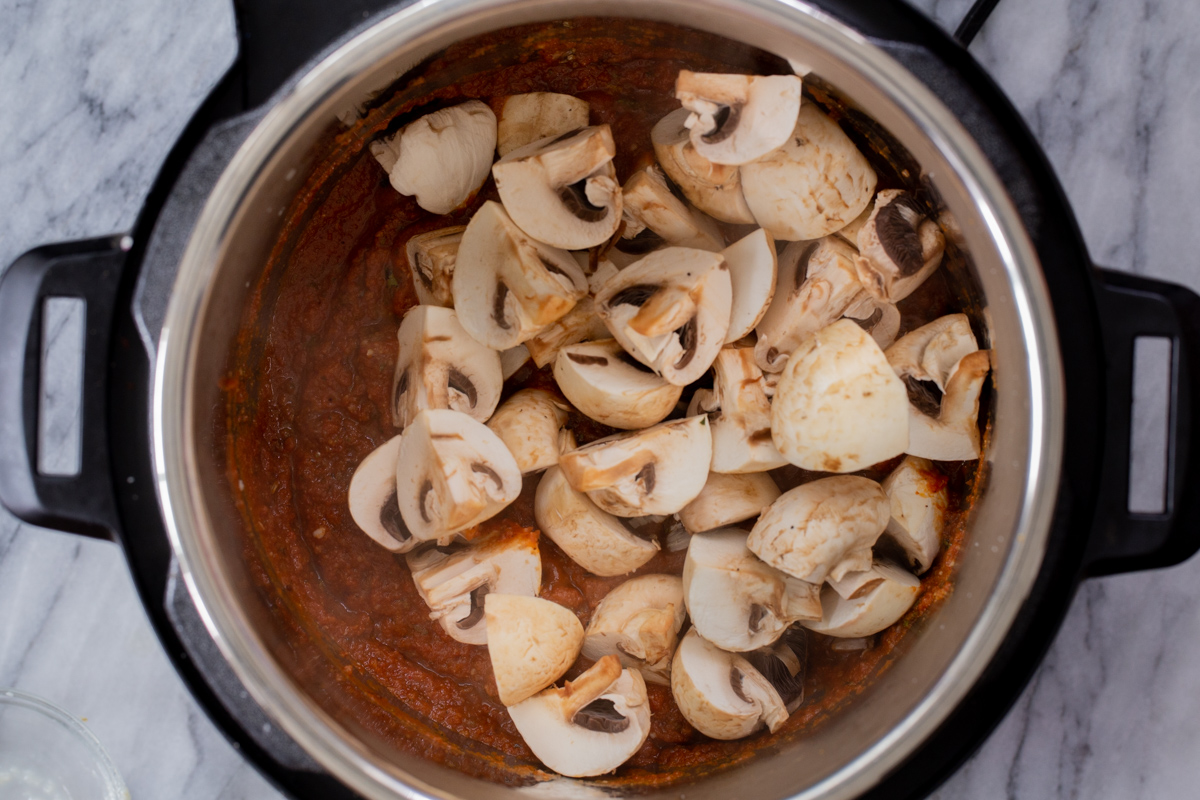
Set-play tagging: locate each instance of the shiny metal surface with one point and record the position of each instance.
(1004, 550)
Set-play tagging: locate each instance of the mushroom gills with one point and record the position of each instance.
(722, 694)
(736, 119)
(899, 246)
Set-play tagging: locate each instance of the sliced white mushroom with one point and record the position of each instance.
(529, 423)
(590, 726)
(508, 287)
(526, 118)
(726, 499)
(563, 190)
(372, 498)
(593, 539)
(439, 365)
(817, 283)
(822, 529)
(953, 435)
(816, 183)
(606, 384)
(839, 407)
(649, 205)
(453, 581)
(737, 119)
(452, 473)
(431, 257)
(753, 268)
(917, 493)
(932, 352)
(735, 600)
(655, 471)
(670, 310)
(721, 694)
(740, 414)
(442, 158)
(715, 189)
(900, 247)
(513, 359)
(891, 594)
(531, 643)
(638, 622)
(580, 324)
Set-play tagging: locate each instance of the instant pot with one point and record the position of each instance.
(164, 303)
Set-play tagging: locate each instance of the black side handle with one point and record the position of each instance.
(1123, 541)
(81, 503)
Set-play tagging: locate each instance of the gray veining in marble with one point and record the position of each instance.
(95, 93)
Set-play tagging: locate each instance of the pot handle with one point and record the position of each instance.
(1132, 306)
(84, 502)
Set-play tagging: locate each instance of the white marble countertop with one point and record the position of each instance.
(95, 93)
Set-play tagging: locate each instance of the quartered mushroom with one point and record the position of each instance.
(784, 664)
(655, 471)
(932, 352)
(735, 600)
(715, 189)
(838, 406)
(372, 498)
(454, 581)
(439, 365)
(580, 324)
(670, 310)
(740, 414)
(593, 539)
(452, 473)
(752, 274)
(507, 286)
(727, 499)
(721, 694)
(531, 643)
(443, 157)
(737, 119)
(527, 118)
(884, 595)
(530, 425)
(877, 317)
(917, 493)
(590, 726)
(822, 529)
(431, 257)
(816, 183)
(649, 205)
(900, 246)
(639, 622)
(606, 384)
(563, 190)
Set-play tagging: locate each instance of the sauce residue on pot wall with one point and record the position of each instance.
(308, 397)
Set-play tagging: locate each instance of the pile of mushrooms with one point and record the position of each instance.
(628, 295)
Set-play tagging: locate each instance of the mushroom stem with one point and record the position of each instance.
(587, 687)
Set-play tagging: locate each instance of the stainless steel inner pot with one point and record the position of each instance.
(943, 657)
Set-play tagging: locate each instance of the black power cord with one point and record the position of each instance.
(973, 21)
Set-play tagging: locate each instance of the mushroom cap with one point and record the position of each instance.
(752, 272)
(639, 622)
(452, 473)
(439, 365)
(526, 118)
(431, 258)
(727, 499)
(737, 119)
(816, 183)
(735, 600)
(579, 324)
(839, 407)
(443, 157)
(721, 694)
(823, 528)
(606, 384)
(715, 189)
(917, 493)
(372, 498)
(885, 603)
(670, 310)
(649, 204)
(508, 287)
(655, 471)
(933, 351)
(954, 435)
(590, 726)
(593, 539)
(900, 247)
(740, 414)
(563, 190)
(531, 642)
(529, 423)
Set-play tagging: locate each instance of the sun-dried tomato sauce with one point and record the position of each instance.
(307, 398)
